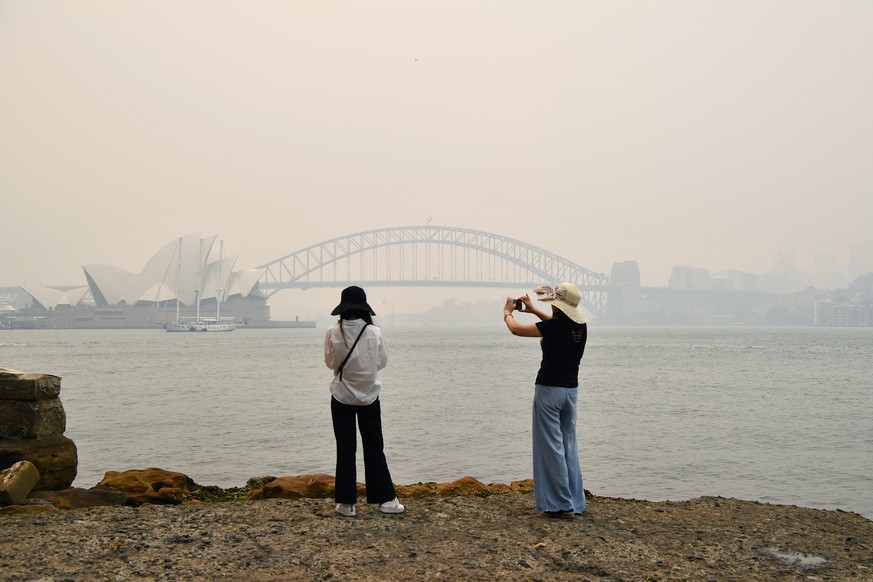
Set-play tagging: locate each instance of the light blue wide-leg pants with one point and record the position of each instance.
(556, 471)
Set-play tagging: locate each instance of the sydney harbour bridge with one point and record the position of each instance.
(430, 256)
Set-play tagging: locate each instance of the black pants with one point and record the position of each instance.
(377, 478)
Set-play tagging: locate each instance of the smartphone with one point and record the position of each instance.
(518, 304)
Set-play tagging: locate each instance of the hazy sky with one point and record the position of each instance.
(708, 134)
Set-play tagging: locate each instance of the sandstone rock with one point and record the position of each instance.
(322, 485)
(24, 507)
(150, 485)
(497, 488)
(316, 485)
(31, 419)
(416, 491)
(15, 385)
(463, 486)
(17, 482)
(523, 486)
(76, 498)
(54, 456)
(32, 424)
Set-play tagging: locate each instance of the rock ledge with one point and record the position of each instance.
(479, 537)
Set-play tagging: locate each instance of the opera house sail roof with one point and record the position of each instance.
(184, 268)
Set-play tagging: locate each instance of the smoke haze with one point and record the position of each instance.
(708, 134)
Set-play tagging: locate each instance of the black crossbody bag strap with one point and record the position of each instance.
(340, 369)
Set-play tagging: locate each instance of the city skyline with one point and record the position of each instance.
(783, 278)
(855, 260)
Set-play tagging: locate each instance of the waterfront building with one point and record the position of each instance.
(186, 276)
(843, 314)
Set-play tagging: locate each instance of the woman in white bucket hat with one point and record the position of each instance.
(558, 490)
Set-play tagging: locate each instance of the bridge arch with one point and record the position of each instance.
(429, 256)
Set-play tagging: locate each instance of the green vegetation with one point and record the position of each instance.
(215, 494)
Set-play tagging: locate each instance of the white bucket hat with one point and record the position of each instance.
(565, 297)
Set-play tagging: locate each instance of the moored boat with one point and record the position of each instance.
(201, 325)
(198, 323)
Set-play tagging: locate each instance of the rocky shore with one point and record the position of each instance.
(154, 524)
(479, 536)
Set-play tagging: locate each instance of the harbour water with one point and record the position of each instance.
(777, 415)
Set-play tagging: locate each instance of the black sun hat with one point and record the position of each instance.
(353, 298)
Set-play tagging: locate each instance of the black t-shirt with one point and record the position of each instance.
(563, 344)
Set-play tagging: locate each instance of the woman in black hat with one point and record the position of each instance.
(355, 350)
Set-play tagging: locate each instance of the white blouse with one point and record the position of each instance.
(360, 384)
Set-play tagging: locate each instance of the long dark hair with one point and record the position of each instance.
(359, 313)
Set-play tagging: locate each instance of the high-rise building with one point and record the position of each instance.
(624, 274)
(624, 294)
(826, 274)
(689, 278)
(860, 259)
(733, 280)
(785, 264)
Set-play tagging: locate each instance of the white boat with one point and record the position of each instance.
(201, 325)
(198, 323)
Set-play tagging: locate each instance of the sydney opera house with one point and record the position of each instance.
(189, 277)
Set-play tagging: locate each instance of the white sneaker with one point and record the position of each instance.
(392, 506)
(347, 509)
